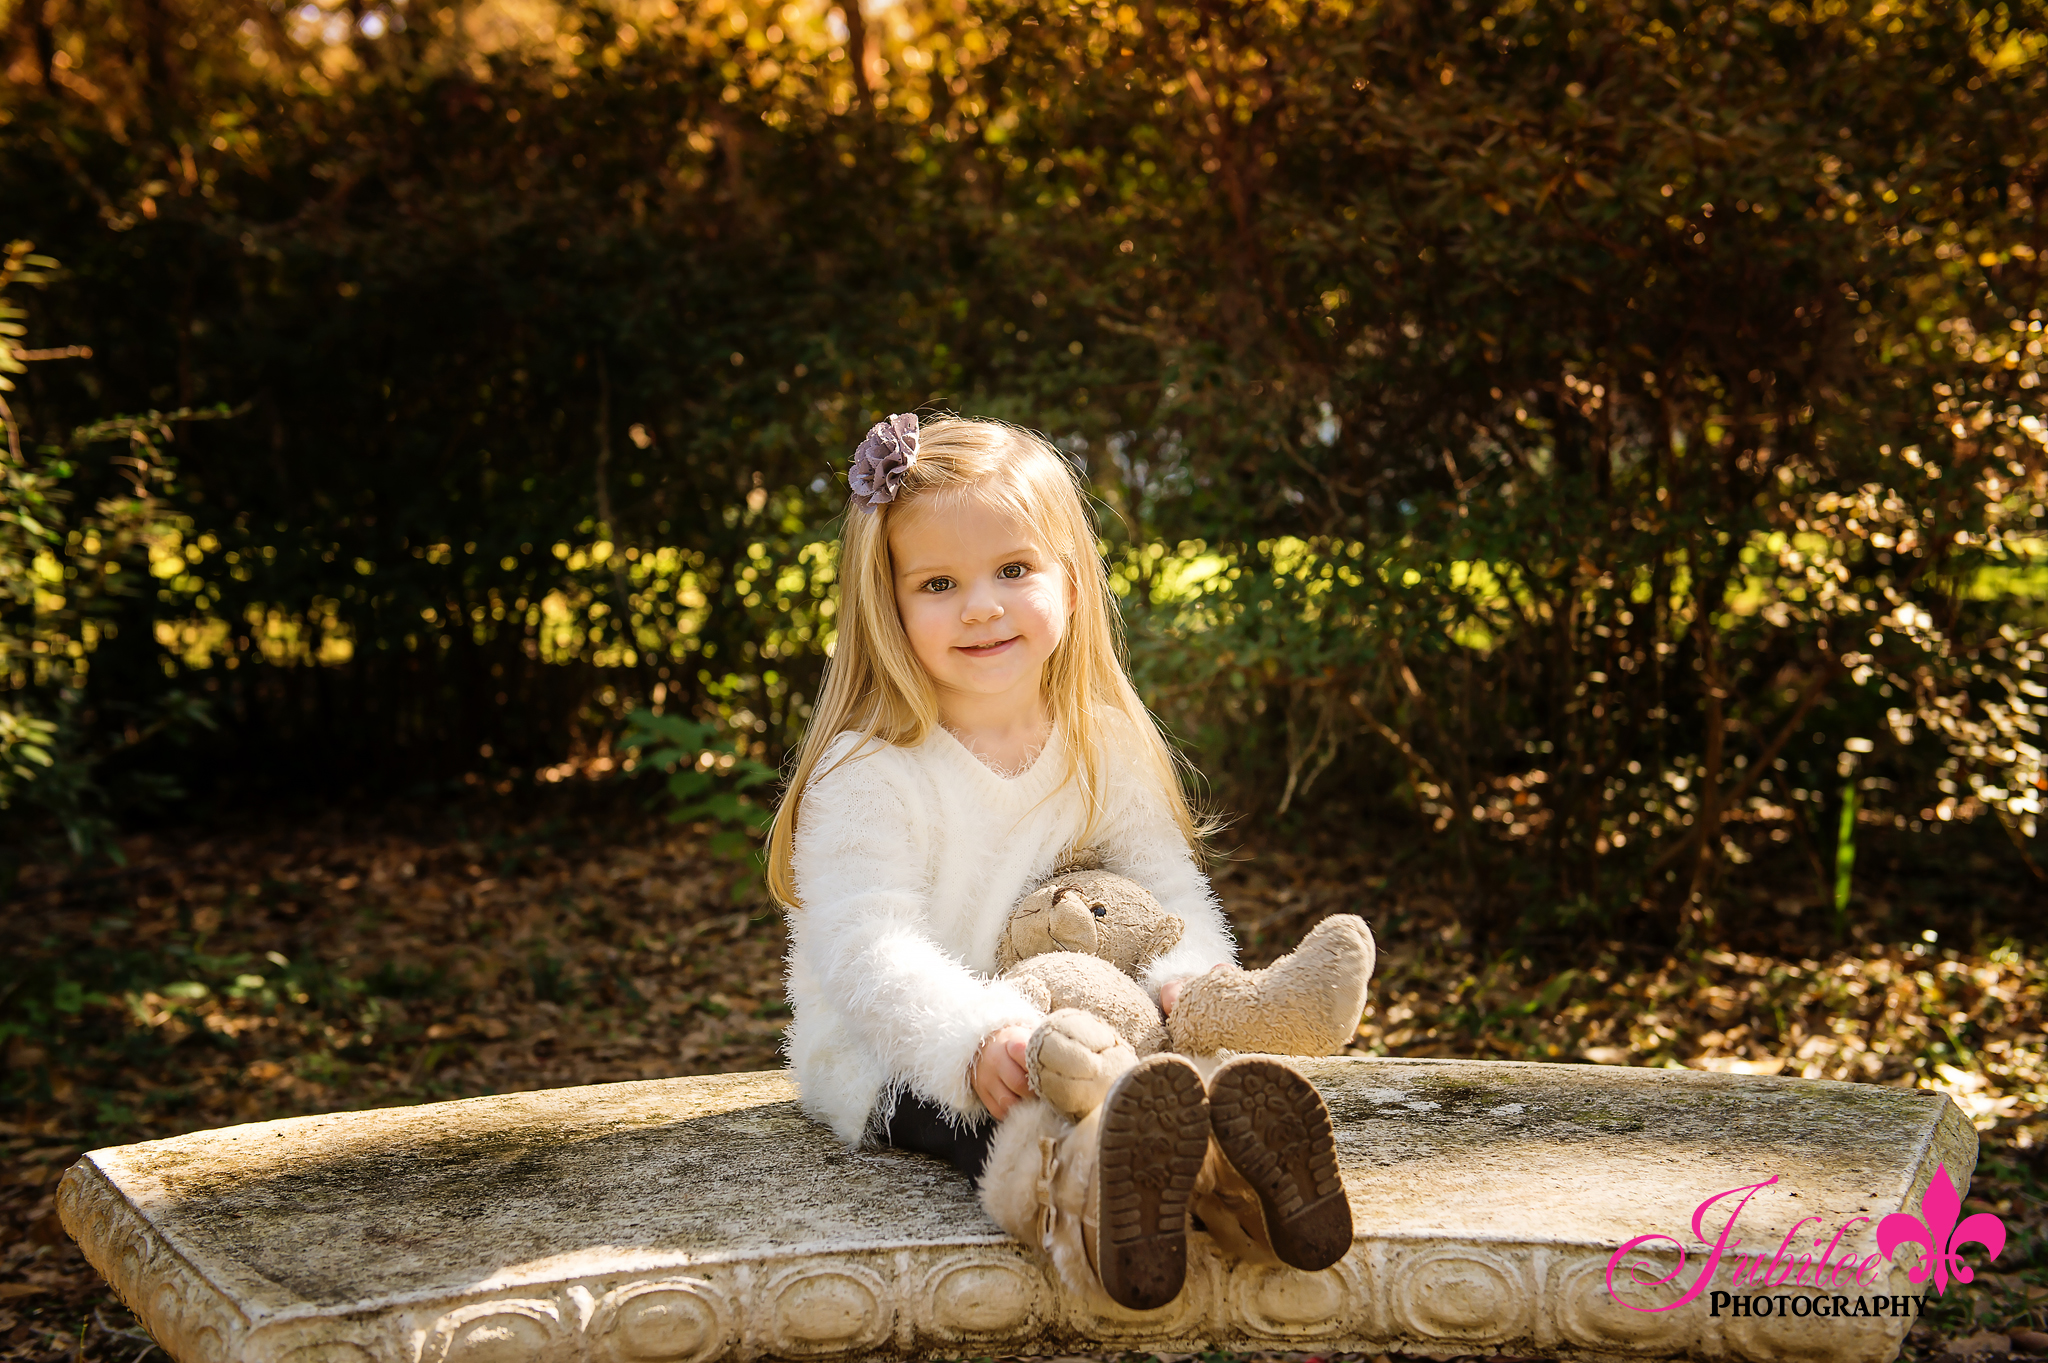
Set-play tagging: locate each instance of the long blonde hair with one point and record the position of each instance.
(874, 685)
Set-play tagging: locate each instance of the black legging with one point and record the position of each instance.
(928, 1129)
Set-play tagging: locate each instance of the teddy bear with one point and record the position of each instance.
(1267, 1188)
(1081, 940)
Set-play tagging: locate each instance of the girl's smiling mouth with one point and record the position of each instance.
(989, 650)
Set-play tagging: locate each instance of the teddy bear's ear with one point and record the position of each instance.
(1166, 935)
(1078, 859)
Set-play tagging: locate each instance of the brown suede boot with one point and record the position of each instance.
(1106, 1198)
(1274, 1128)
(1039, 1185)
(1306, 1003)
(1229, 1210)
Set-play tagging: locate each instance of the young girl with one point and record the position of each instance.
(975, 731)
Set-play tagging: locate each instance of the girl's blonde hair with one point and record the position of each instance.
(874, 685)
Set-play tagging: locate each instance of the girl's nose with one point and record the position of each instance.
(980, 607)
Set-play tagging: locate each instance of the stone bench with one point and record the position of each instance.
(686, 1220)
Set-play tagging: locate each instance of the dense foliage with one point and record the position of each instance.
(1610, 431)
(64, 576)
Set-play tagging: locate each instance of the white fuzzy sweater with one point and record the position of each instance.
(908, 862)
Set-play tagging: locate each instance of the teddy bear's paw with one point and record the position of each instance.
(1073, 1059)
(1322, 983)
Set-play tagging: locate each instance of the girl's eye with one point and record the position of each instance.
(1012, 570)
(939, 584)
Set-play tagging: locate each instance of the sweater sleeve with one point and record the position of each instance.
(861, 862)
(1145, 843)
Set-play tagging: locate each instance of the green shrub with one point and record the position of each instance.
(63, 578)
(1611, 430)
(709, 774)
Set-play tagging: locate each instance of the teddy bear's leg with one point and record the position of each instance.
(1274, 1128)
(1106, 1198)
(1306, 1003)
(1073, 1058)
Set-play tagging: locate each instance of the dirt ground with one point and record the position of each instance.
(357, 961)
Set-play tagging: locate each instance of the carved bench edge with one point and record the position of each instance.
(1418, 1296)
(185, 1312)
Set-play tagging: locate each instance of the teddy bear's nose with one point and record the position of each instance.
(1072, 927)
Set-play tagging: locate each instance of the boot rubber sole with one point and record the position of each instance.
(1155, 1132)
(1274, 1127)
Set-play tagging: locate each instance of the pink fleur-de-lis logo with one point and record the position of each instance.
(1939, 1234)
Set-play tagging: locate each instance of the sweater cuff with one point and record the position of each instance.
(943, 1078)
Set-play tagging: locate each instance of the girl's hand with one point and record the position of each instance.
(998, 1070)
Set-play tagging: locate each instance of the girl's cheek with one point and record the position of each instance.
(1048, 599)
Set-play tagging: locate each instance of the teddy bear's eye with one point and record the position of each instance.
(1099, 910)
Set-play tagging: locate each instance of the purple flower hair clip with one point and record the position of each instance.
(883, 458)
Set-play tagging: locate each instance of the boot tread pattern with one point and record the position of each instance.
(1155, 1132)
(1275, 1128)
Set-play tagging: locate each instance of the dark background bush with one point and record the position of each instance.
(1602, 437)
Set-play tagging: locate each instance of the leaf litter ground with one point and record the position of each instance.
(351, 963)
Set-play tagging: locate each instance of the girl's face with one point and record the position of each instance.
(983, 601)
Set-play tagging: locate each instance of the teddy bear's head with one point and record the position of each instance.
(1095, 912)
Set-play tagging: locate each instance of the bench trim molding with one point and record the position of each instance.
(1414, 1296)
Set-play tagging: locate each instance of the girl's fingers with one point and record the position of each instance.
(999, 1073)
(994, 1094)
(1010, 1069)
